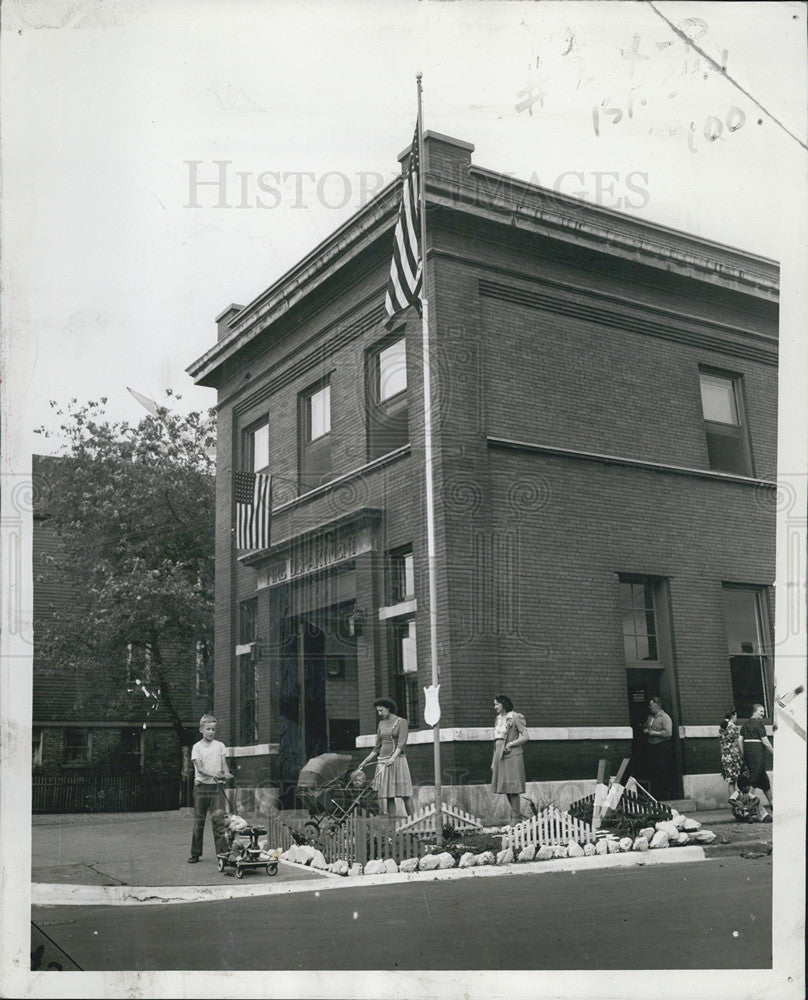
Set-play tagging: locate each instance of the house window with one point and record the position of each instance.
(248, 633)
(747, 645)
(255, 448)
(402, 577)
(638, 616)
(405, 665)
(314, 434)
(78, 746)
(388, 424)
(36, 747)
(138, 665)
(722, 408)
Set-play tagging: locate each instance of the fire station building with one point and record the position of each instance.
(604, 410)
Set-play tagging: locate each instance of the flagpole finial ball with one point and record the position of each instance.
(419, 76)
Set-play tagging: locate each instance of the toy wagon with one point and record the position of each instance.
(244, 854)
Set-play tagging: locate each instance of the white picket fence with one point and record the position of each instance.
(423, 821)
(550, 826)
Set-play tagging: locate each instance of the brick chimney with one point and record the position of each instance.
(224, 319)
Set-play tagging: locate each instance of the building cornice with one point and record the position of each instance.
(518, 205)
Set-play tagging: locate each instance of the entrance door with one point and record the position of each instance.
(643, 685)
(314, 668)
(645, 617)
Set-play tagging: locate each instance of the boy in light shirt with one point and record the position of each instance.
(210, 771)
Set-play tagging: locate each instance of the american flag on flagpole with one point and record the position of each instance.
(253, 496)
(404, 284)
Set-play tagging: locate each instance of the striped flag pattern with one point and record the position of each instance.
(253, 496)
(404, 284)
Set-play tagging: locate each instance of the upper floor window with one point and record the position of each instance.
(402, 576)
(256, 448)
(745, 613)
(314, 435)
(388, 424)
(722, 407)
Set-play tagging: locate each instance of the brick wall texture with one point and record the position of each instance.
(542, 346)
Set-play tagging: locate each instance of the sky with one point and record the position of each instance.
(119, 251)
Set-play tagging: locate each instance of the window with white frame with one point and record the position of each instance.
(387, 404)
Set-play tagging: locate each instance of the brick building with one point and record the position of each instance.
(605, 445)
(78, 727)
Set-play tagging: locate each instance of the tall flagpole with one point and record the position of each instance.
(430, 498)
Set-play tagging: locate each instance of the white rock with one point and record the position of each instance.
(589, 849)
(355, 869)
(691, 825)
(505, 857)
(683, 838)
(668, 826)
(640, 844)
(679, 821)
(468, 860)
(340, 867)
(486, 858)
(390, 866)
(702, 836)
(428, 863)
(647, 832)
(659, 840)
(409, 865)
(318, 861)
(446, 860)
(574, 850)
(613, 845)
(626, 843)
(374, 867)
(559, 851)
(601, 847)
(544, 853)
(527, 853)
(675, 812)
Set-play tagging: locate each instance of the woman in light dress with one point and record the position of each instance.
(392, 779)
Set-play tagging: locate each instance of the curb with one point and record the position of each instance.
(43, 894)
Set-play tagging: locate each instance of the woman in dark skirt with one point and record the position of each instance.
(508, 765)
(754, 744)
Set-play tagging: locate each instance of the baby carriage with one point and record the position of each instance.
(330, 791)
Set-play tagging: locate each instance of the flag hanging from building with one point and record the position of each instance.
(404, 284)
(253, 495)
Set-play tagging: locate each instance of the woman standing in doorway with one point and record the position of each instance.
(508, 765)
(658, 730)
(731, 755)
(392, 779)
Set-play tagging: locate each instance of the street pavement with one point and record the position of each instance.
(716, 914)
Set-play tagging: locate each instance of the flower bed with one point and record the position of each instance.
(478, 849)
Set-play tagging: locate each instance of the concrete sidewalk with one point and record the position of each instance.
(137, 849)
(151, 849)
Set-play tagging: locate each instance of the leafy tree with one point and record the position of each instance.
(133, 507)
